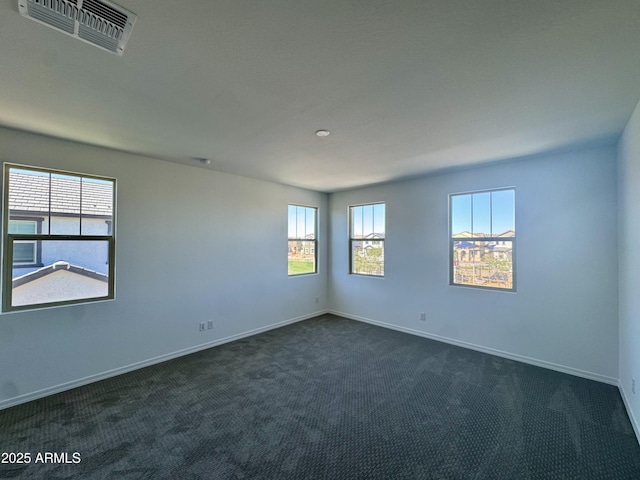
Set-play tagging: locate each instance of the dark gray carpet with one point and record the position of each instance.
(330, 398)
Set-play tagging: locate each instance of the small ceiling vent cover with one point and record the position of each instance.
(99, 22)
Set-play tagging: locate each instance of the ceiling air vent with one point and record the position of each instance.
(98, 22)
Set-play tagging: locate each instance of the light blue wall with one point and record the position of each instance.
(629, 265)
(196, 245)
(564, 314)
(193, 245)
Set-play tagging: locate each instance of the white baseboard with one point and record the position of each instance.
(27, 397)
(627, 405)
(511, 356)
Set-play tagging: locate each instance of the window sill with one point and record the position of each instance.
(480, 287)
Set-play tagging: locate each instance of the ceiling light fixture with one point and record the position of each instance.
(202, 161)
(323, 133)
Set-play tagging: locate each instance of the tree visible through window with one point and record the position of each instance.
(303, 241)
(482, 239)
(59, 243)
(366, 239)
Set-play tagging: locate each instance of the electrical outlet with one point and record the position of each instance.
(202, 326)
(423, 317)
(633, 386)
(210, 324)
(317, 299)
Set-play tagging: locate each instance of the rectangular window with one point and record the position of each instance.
(366, 239)
(58, 250)
(482, 239)
(25, 252)
(302, 240)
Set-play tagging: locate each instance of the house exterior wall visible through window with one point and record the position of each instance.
(58, 238)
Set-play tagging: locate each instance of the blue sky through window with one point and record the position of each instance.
(302, 222)
(368, 219)
(488, 213)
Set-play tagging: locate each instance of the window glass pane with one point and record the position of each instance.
(503, 213)
(367, 257)
(24, 252)
(481, 222)
(301, 257)
(378, 220)
(461, 215)
(97, 202)
(23, 227)
(487, 264)
(310, 223)
(367, 220)
(65, 205)
(28, 193)
(80, 271)
(291, 221)
(356, 222)
(300, 223)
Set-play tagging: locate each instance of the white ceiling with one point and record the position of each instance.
(405, 86)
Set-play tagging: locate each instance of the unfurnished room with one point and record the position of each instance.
(336, 239)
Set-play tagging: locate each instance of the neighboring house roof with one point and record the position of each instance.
(49, 269)
(30, 193)
(370, 236)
